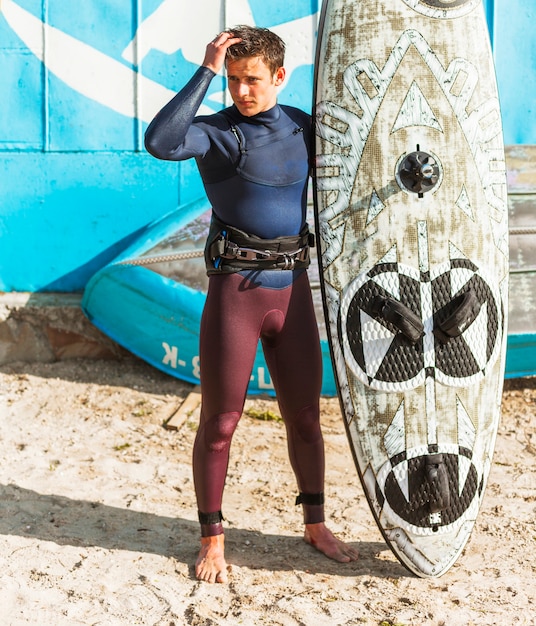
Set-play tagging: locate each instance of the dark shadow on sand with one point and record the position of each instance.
(121, 372)
(65, 521)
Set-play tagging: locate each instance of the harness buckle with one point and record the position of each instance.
(250, 254)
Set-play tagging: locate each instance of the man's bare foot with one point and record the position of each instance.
(325, 541)
(210, 565)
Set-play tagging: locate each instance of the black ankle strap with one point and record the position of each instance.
(312, 499)
(208, 519)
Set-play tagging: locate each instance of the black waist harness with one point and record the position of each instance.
(229, 250)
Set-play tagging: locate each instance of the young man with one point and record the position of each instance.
(254, 161)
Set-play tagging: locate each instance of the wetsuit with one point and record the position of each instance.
(255, 172)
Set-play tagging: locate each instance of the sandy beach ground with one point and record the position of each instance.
(98, 517)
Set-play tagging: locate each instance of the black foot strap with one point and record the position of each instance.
(462, 312)
(438, 482)
(399, 315)
(311, 499)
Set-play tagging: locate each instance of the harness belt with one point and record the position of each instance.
(230, 249)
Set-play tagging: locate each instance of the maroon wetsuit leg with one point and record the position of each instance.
(228, 340)
(294, 358)
(234, 319)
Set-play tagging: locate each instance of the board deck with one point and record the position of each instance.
(412, 222)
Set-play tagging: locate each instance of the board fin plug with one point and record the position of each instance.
(438, 482)
(419, 172)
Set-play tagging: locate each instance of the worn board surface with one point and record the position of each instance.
(395, 78)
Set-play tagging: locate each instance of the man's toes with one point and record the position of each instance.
(221, 577)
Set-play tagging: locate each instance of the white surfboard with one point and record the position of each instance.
(412, 220)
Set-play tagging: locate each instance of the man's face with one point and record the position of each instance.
(252, 85)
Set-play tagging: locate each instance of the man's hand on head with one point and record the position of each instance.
(217, 49)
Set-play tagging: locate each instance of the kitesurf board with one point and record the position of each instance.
(151, 297)
(411, 213)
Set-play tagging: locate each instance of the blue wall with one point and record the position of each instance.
(514, 41)
(75, 185)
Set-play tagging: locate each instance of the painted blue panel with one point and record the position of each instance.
(82, 211)
(8, 38)
(280, 11)
(298, 93)
(521, 356)
(102, 31)
(21, 120)
(173, 71)
(515, 59)
(105, 26)
(78, 123)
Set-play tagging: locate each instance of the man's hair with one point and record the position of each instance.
(257, 42)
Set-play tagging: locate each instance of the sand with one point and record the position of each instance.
(98, 517)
